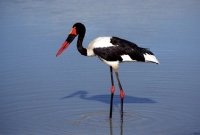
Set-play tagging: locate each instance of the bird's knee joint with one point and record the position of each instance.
(112, 89)
(122, 94)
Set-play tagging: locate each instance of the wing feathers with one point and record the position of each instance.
(122, 50)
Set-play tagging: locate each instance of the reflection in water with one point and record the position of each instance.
(121, 125)
(32, 78)
(106, 99)
(111, 127)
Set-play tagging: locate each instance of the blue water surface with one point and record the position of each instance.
(70, 94)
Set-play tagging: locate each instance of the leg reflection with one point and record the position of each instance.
(121, 127)
(111, 127)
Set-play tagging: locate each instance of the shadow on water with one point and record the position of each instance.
(106, 98)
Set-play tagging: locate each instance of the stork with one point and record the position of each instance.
(112, 51)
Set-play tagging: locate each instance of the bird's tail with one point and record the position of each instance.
(149, 56)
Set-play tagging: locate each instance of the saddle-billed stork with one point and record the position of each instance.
(112, 51)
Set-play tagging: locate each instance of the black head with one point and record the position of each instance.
(77, 29)
(80, 28)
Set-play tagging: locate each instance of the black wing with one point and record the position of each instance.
(121, 47)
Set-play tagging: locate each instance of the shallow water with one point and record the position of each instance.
(70, 94)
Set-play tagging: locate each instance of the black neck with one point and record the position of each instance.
(80, 47)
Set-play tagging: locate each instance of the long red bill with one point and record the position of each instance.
(64, 46)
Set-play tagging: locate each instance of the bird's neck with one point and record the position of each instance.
(80, 47)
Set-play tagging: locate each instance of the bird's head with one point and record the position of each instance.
(78, 28)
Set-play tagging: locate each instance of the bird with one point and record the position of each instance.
(112, 51)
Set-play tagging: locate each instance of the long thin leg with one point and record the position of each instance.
(112, 92)
(121, 94)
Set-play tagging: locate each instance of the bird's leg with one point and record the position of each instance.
(112, 92)
(121, 94)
